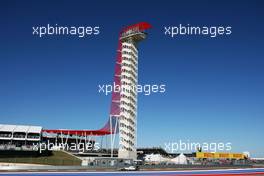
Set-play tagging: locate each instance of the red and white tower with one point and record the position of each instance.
(129, 79)
(123, 111)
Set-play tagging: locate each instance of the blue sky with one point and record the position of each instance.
(214, 86)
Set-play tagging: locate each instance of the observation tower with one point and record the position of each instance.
(123, 108)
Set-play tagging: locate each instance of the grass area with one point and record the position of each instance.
(57, 158)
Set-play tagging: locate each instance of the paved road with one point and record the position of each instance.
(225, 172)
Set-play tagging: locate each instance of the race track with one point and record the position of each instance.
(226, 172)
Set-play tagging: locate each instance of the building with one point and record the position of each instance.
(123, 109)
(19, 137)
(129, 39)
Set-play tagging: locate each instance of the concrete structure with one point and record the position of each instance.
(128, 101)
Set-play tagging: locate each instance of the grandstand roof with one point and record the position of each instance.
(20, 128)
(79, 132)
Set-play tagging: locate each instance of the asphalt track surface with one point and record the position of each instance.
(226, 172)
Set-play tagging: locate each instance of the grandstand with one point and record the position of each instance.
(20, 144)
(19, 137)
(34, 138)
